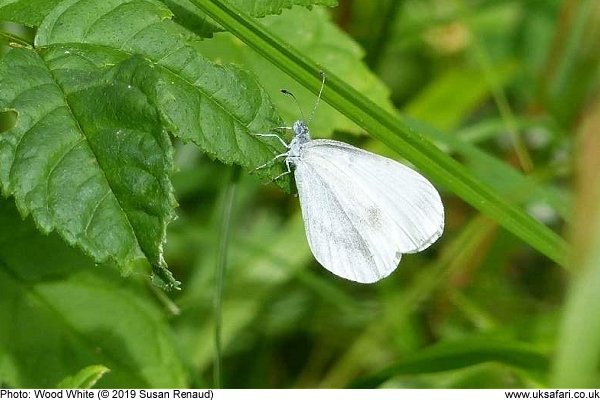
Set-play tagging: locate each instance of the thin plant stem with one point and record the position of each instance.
(14, 40)
(383, 35)
(221, 264)
(15, 35)
(166, 302)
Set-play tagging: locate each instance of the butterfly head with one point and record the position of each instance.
(301, 132)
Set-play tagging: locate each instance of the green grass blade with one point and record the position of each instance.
(577, 352)
(390, 129)
(462, 354)
(221, 265)
(84, 379)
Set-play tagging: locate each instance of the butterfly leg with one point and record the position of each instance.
(289, 170)
(287, 146)
(270, 162)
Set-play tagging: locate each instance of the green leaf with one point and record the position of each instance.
(26, 12)
(219, 108)
(313, 34)
(391, 130)
(63, 314)
(84, 379)
(95, 171)
(462, 354)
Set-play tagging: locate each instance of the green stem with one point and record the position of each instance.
(577, 353)
(578, 348)
(388, 128)
(389, 18)
(221, 264)
(14, 40)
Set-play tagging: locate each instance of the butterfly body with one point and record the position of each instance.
(301, 137)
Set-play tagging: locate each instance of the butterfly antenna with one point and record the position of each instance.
(312, 114)
(285, 91)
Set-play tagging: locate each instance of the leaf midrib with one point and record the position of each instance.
(100, 167)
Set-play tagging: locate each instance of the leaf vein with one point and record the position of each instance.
(211, 98)
(55, 166)
(26, 133)
(57, 18)
(95, 210)
(133, 35)
(94, 23)
(29, 89)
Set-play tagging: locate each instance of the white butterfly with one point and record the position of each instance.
(361, 211)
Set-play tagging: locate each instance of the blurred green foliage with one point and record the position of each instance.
(492, 81)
